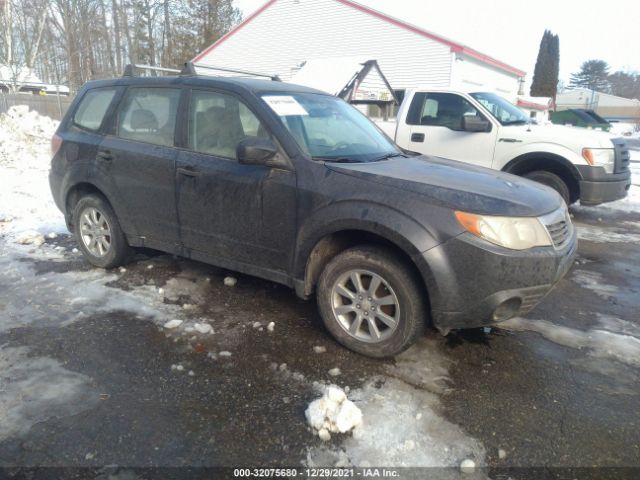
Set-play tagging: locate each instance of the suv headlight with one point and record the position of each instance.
(600, 157)
(516, 233)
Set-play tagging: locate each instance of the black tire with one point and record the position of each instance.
(119, 251)
(551, 180)
(412, 315)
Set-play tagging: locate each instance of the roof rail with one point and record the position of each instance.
(129, 70)
(190, 69)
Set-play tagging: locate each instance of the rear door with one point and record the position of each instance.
(140, 157)
(230, 211)
(435, 122)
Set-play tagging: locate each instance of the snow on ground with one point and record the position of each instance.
(614, 340)
(402, 424)
(33, 389)
(26, 206)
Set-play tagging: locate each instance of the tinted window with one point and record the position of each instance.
(93, 108)
(149, 115)
(440, 110)
(218, 122)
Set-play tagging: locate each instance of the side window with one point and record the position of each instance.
(149, 115)
(440, 110)
(93, 108)
(218, 122)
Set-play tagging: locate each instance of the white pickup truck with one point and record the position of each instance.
(485, 129)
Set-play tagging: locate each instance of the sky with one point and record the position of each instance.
(511, 30)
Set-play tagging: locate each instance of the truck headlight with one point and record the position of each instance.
(516, 233)
(600, 157)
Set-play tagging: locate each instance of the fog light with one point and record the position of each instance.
(507, 309)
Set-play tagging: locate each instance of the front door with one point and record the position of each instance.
(226, 210)
(435, 121)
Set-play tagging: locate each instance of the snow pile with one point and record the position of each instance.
(23, 133)
(26, 205)
(333, 412)
(403, 426)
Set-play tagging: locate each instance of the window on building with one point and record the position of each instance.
(149, 115)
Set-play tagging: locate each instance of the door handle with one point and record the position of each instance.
(188, 172)
(104, 155)
(417, 137)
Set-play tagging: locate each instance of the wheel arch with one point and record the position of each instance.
(549, 162)
(334, 242)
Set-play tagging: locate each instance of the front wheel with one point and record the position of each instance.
(371, 302)
(551, 180)
(98, 233)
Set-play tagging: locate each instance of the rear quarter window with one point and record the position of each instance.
(93, 107)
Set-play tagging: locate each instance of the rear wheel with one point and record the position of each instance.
(551, 180)
(371, 302)
(98, 233)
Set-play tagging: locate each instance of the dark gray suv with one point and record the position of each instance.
(296, 186)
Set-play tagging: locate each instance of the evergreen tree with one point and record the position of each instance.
(547, 69)
(594, 75)
(625, 84)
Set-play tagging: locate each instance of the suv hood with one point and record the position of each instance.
(458, 185)
(560, 134)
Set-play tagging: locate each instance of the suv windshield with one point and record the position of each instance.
(327, 128)
(505, 112)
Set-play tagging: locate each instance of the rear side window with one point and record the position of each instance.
(218, 122)
(93, 108)
(149, 115)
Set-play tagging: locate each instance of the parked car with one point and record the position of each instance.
(296, 186)
(485, 129)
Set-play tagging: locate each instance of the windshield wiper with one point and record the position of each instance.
(516, 122)
(337, 159)
(388, 156)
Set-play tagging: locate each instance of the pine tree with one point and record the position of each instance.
(594, 75)
(547, 69)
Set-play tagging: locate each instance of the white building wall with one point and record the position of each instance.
(470, 75)
(289, 32)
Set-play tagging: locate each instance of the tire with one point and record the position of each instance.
(93, 218)
(397, 283)
(551, 180)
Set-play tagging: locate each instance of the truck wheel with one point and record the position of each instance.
(98, 233)
(551, 180)
(371, 302)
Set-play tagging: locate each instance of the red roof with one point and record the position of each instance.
(455, 47)
(532, 105)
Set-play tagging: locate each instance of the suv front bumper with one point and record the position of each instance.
(473, 283)
(598, 186)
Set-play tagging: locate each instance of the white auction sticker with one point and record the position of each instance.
(284, 105)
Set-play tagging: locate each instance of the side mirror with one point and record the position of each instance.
(475, 124)
(255, 151)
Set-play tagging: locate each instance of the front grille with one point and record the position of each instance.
(560, 233)
(622, 155)
(559, 226)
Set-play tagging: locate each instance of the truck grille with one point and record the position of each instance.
(621, 154)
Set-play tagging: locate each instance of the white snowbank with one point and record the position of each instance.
(608, 234)
(333, 412)
(25, 196)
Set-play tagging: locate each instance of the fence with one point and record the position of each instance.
(52, 106)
